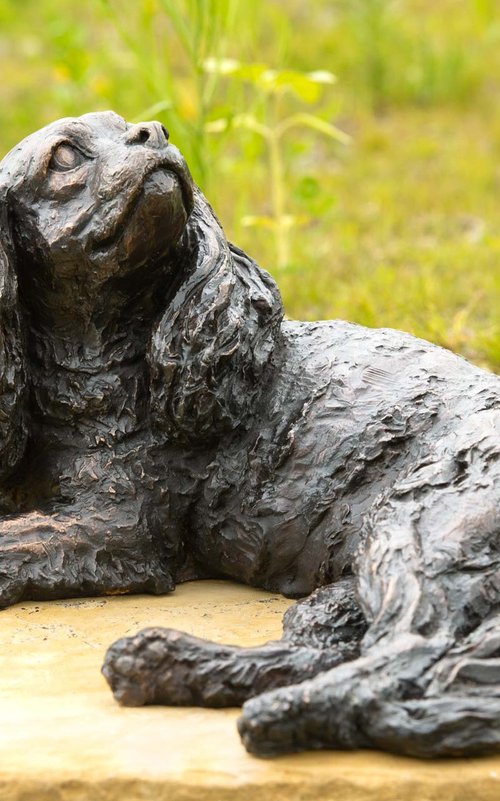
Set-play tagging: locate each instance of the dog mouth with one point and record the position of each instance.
(167, 166)
(177, 167)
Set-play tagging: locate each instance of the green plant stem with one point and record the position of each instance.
(278, 199)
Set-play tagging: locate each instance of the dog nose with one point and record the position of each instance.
(154, 134)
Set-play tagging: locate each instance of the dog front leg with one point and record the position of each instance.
(73, 553)
(13, 423)
(162, 666)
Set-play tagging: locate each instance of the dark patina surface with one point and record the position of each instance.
(159, 422)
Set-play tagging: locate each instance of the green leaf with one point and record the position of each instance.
(317, 124)
(293, 81)
(251, 123)
(251, 73)
(151, 111)
(256, 221)
(221, 66)
(217, 126)
(308, 188)
(322, 76)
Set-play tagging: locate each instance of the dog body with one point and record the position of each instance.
(160, 422)
(349, 413)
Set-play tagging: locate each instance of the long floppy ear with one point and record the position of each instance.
(13, 427)
(210, 351)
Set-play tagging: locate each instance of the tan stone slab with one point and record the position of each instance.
(63, 738)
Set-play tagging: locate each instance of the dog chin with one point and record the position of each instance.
(156, 221)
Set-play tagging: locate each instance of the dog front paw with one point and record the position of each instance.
(156, 666)
(12, 590)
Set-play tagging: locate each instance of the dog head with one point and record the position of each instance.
(92, 197)
(95, 207)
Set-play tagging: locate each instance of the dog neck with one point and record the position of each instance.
(87, 354)
(211, 349)
(93, 323)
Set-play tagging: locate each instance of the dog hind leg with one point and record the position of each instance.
(460, 708)
(429, 573)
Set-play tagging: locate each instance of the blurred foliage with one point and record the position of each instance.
(400, 227)
(266, 119)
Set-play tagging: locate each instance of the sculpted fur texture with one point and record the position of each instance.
(160, 421)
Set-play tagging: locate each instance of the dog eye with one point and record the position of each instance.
(66, 157)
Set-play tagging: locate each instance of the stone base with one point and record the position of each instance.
(63, 738)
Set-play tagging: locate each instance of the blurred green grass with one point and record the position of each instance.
(400, 228)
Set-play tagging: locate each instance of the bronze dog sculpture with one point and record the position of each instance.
(159, 421)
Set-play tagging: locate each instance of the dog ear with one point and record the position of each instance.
(209, 353)
(13, 429)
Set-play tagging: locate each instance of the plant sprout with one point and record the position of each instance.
(269, 87)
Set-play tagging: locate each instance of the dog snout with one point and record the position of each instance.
(153, 134)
